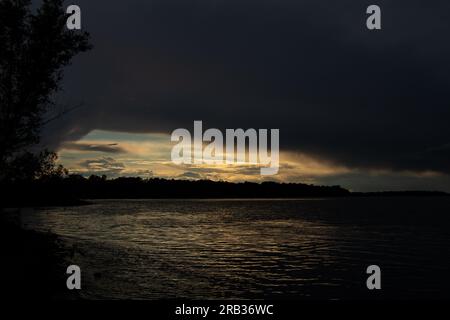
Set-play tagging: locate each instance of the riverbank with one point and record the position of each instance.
(33, 263)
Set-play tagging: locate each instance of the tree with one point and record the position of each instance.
(34, 49)
(30, 166)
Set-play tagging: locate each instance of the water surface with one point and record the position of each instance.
(282, 249)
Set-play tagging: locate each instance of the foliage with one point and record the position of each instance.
(35, 47)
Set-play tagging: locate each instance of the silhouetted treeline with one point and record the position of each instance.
(35, 47)
(60, 191)
(56, 190)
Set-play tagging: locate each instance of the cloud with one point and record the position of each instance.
(107, 148)
(358, 99)
(106, 165)
(190, 175)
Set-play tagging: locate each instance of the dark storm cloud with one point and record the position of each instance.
(311, 68)
(366, 182)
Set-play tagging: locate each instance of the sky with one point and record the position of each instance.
(367, 110)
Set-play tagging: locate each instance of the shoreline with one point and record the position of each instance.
(33, 263)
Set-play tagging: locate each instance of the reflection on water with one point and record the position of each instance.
(292, 249)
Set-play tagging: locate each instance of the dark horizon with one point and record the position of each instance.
(74, 189)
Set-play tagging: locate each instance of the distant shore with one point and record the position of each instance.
(70, 190)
